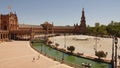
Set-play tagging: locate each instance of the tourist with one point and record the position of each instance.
(38, 57)
(33, 59)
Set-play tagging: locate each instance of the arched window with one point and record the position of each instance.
(4, 25)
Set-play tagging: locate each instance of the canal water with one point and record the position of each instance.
(68, 58)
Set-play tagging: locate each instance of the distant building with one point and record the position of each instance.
(11, 29)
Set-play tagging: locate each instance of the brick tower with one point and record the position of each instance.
(81, 29)
(9, 22)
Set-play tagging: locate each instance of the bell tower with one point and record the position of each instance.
(83, 21)
(13, 21)
(83, 28)
(8, 21)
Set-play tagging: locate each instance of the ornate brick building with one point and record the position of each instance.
(11, 29)
(8, 23)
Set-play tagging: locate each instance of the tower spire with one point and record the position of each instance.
(83, 15)
(83, 29)
(82, 9)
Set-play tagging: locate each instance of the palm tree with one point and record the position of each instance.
(71, 48)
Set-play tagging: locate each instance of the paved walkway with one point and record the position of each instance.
(18, 54)
(87, 46)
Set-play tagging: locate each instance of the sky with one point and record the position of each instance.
(63, 12)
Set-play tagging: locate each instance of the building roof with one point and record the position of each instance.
(39, 26)
(64, 27)
(29, 26)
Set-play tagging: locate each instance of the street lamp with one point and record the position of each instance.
(64, 40)
(62, 57)
(116, 42)
(64, 47)
(114, 52)
(41, 48)
(112, 61)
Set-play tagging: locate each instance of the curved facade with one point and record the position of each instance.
(11, 29)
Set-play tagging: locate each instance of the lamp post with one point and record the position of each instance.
(114, 52)
(116, 42)
(112, 61)
(64, 47)
(64, 40)
(41, 48)
(62, 57)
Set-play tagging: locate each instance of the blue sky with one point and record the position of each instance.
(63, 12)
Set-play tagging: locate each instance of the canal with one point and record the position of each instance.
(69, 58)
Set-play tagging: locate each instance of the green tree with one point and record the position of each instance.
(56, 45)
(114, 28)
(50, 42)
(97, 28)
(111, 29)
(97, 24)
(71, 48)
(102, 30)
(100, 54)
(90, 30)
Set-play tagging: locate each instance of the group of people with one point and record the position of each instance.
(36, 58)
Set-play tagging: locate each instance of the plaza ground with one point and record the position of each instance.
(86, 46)
(19, 54)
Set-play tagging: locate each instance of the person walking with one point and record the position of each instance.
(38, 57)
(33, 59)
